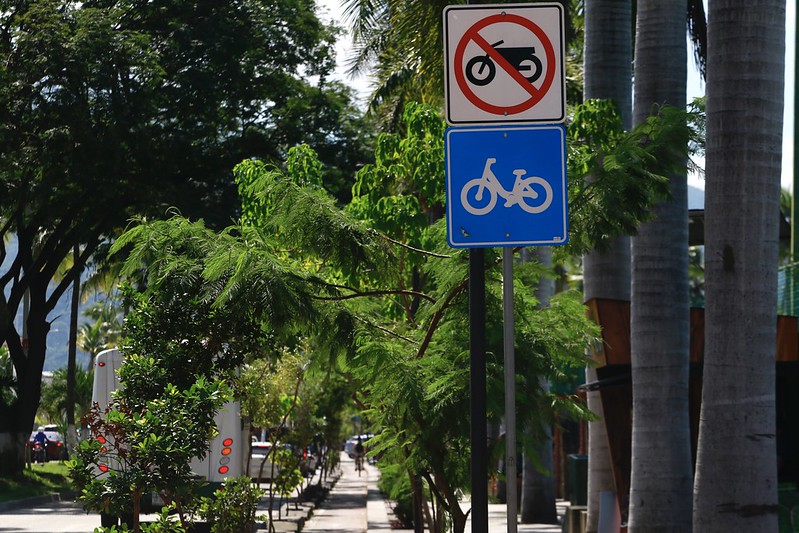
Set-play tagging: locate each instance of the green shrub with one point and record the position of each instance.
(394, 483)
(232, 508)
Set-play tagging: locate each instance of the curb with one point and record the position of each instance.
(37, 500)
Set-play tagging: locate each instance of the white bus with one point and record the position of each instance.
(227, 450)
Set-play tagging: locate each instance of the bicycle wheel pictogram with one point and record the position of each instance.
(476, 198)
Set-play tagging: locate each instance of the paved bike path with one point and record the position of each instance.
(355, 505)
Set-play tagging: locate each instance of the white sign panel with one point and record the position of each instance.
(504, 63)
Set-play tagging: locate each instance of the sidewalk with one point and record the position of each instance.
(498, 520)
(355, 505)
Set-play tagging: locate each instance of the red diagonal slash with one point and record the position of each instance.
(500, 60)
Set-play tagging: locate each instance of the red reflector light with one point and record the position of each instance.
(58, 444)
(103, 468)
(226, 451)
(101, 363)
(227, 442)
(223, 469)
(100, 439)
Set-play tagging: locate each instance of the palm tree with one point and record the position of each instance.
(103, 333)
(71, 434)
(399, 43)
(608, 75)
(661, 471)
(736, 469)
(538, 481)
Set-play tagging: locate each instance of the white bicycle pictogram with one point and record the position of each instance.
(518, 195)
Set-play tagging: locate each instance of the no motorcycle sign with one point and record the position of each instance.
(504, 64)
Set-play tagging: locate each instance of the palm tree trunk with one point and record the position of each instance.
(661, 471)
(71, 436)
(538, 488)
(608, 74)
(736, 479)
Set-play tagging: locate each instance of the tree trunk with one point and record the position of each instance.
(608, 74)
(538, 488)
(71, 440)
(16, 418)
(736, 479)
(661, 470)
(600, 470)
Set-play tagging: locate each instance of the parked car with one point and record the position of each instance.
(309, 461)
(260, 453)
(55, 448)
(349, 446)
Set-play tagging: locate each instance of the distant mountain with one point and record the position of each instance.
(58, 339)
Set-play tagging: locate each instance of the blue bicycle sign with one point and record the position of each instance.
(506, 186)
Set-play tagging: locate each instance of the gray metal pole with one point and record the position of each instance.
(510, 387)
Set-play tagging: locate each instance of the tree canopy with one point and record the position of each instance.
(110, 109)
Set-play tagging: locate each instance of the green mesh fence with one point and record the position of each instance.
(788, 290)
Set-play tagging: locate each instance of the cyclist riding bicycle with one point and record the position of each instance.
(359, 453)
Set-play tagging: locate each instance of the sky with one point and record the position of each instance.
(331, 9)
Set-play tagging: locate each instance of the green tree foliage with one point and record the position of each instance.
(187, 334)
(180, 356)
(102, 332)
(289, 477)
(113, 108)
(398, 194)
(608, 166)
(272, 394)
(182, 352)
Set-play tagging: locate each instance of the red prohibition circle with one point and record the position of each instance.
(535, 94)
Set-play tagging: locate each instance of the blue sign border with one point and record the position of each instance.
(515, 186)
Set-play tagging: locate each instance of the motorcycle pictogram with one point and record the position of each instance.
(481, 70)
(518, 195)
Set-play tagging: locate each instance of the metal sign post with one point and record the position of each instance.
(504, 65)
(477, 400)
(510, 388)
